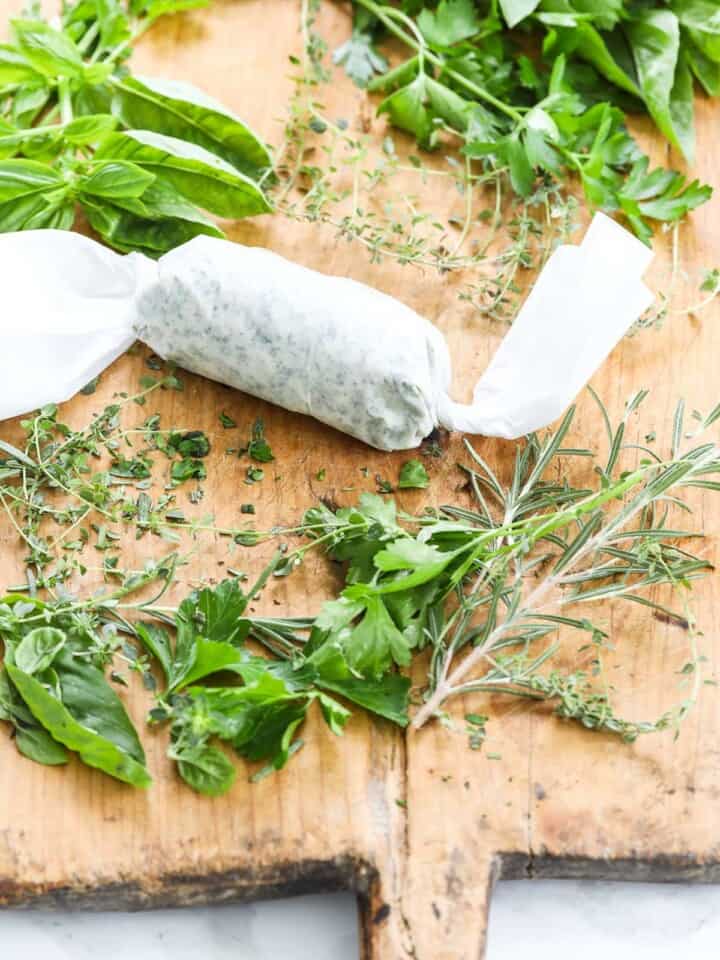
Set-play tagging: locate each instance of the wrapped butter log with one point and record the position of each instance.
(325, 346)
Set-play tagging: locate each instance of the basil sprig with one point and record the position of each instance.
(145, 160)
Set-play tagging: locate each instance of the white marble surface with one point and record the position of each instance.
(544, 920)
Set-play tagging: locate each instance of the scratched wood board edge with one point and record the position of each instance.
(402, 915)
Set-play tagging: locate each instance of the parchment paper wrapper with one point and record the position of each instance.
(329, 347)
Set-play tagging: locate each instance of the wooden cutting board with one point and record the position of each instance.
(418, 825)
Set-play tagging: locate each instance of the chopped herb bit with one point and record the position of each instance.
(194, 443)
(227, 421)
(258, 448)
(136, 469)
(413, 476)
(188, 469)
(90, 387)
(383, 486)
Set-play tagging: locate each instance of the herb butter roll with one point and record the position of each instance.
(328, 347)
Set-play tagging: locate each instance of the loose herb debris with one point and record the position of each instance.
(258, 448)
(141, 159)
(70, 491)
(413, 476)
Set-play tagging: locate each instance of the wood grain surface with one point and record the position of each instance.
(555, 801)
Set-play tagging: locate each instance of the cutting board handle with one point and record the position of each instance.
(441, 913)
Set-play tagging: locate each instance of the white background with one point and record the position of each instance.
(548, 920)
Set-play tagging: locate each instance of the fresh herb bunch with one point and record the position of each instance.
(53, 687)
(260, 716)
(482, 588)
(551, 116)
(142, 159)
(55, 694)
(437, 212)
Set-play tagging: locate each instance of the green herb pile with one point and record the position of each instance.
(488, 594)
(548, 99)
(143, 160)
(496, 130)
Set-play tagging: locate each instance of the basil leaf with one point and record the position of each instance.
(703, 15)
(56, 212)
(19, 178)
(181, 110)
(206, 769)
(195, 173)
(31, 740)
(95, 99)
(154, 236)
(706, 71)
(585, 40)
(87, 694)
(49, 51)
(15, 214)
(29, 101)
(89, 128)
(38, 648)
(117, 179)
(160, 201)
(91, 719)
(14, 67)
(682, 106)
(654, 37)
(36, 744)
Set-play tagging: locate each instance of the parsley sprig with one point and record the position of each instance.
(550, 117)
